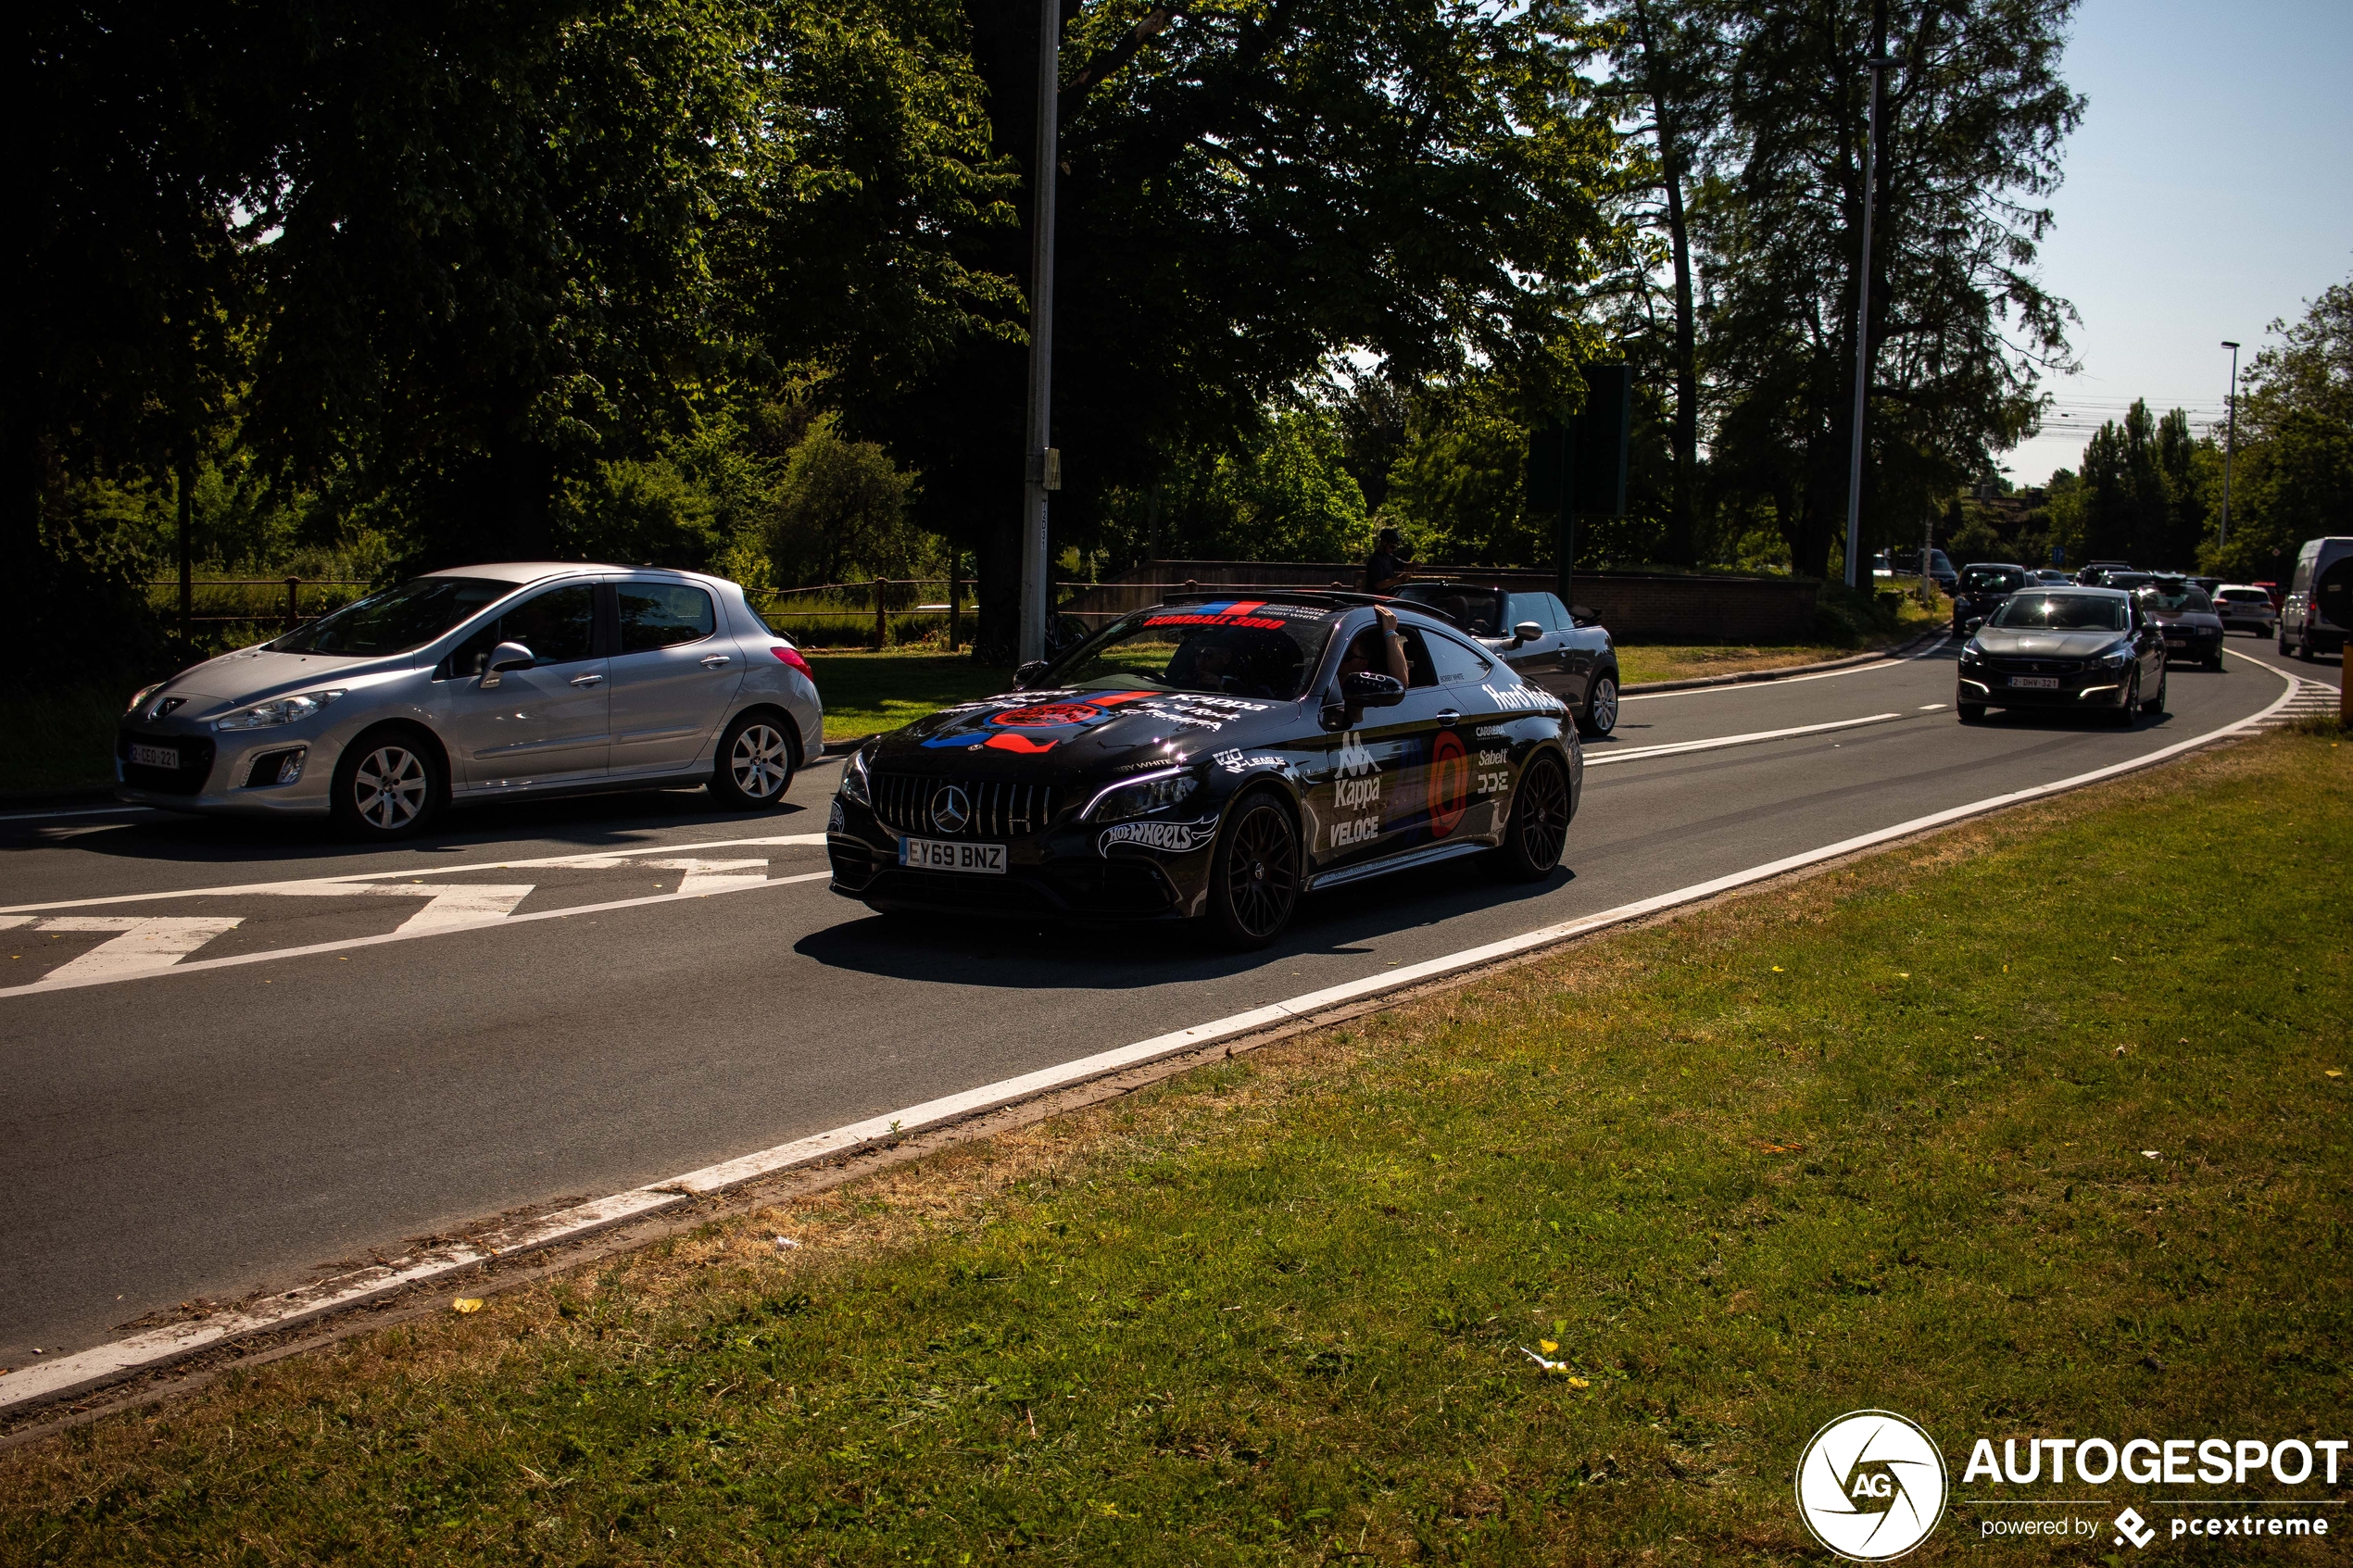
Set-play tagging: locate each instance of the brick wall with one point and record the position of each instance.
(1635, 605)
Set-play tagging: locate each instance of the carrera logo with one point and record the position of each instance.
(1174, 838)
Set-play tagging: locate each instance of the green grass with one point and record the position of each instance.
(1874, 1138)
(60, 737)
(868, 693)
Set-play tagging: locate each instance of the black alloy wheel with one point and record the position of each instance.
(1601, 705)
(755, 764)
(1970, 713)
(1254, 876)
(1538, 830)
(388, 784)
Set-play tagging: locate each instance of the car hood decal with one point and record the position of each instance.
(1033, 723)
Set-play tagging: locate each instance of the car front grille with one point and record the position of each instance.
(2035, 666)
(992, 808)
(195, 764)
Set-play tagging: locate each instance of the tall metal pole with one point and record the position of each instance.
(1878, 63)
(2230, 443)
(1035, 588)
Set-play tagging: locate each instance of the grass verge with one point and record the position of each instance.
(868, 693)
(1638, 663)
(60, 737)
(2021, 1129)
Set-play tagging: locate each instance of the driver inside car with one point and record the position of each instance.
(1376, 650)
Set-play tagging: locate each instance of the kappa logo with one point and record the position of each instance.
(1354, 759)
(1354, 795)
(1871, 1485)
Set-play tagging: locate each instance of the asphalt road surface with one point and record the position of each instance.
(185, 1118)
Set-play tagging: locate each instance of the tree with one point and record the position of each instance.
(2293, 478)
(1246, 192)
(1960, 326)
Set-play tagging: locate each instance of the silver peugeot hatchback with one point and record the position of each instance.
(483, 682)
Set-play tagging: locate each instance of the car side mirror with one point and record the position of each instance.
(1365, 689)
(1527, 632)
(1973, 623)
(506, 656)
(1029, 672)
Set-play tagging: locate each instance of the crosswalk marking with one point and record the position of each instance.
(142, 944)
(703, 875)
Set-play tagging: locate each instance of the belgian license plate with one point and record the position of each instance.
(156, 755)
(946, 855)
(2036, 682)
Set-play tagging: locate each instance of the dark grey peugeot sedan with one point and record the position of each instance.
(2093, 650)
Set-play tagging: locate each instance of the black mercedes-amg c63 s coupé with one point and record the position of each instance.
(1214, 760)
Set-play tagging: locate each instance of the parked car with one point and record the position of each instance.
(2087, 649)
(2279, 594)
(2245, 605)
(1214, 760)
(1560, 648)
(2050, 577)
(1981, 586)
(2192, 632)
(2319, 611)
(1907, 563)
(2093, 571)
(484, 683)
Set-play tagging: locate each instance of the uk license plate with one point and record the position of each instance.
(946, 855)
(2036, 682)
(156, 755)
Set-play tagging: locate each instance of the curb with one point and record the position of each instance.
(1750, 677)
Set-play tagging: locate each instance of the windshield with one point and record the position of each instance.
(396, 619)
(2181, 597)
(2060, 612)
(1991, 579)
(1237, 648)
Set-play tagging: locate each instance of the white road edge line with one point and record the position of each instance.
(331, 883)
(1790, 679)
(716, 888)
(84, 1369)
(1680, 746)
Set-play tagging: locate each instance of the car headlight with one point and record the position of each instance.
(2117, 658)
(141, 695)
(1970, 652)
(854, 784)
(277, 711)
(1141, 797)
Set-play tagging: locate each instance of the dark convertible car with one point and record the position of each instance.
(1214, 760)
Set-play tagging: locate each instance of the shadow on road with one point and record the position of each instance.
(1031, 955)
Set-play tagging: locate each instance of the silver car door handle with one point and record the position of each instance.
(1446, 717)
(585, 680)
(713, 661)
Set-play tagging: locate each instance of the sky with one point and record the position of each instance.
(2208, 192)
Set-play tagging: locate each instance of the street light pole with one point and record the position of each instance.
(1038, 477)
(1880, 65)
(2230, 443)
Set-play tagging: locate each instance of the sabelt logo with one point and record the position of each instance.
(1871, 1485)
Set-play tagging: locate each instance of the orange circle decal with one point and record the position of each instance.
(1450, 774)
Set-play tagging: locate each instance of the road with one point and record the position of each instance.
(187, 1118)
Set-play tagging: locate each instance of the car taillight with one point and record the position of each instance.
(791, 656)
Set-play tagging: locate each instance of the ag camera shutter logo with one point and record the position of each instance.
(1871, 1485)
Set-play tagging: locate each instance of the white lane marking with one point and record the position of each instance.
(68, 1373)
(330, 883)
(147, 945)
(124, 809)
(702, 876)
(1793, 680)
(1933, 706)
(1721, 741)
(51, 982)
(452, 909)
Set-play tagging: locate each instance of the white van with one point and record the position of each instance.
(2319, 599)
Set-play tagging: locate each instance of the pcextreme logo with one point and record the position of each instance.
(1871, 1485)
